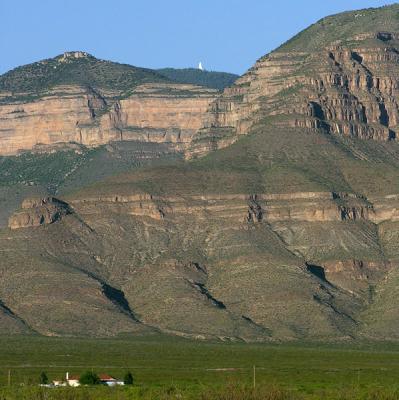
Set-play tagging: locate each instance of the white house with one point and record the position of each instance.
(72, 380)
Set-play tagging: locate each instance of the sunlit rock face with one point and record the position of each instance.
(350, 88)
(39, 211)
(151, 113)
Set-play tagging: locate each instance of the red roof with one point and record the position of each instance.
(105, 377)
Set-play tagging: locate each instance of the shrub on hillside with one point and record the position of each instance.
(89, 378)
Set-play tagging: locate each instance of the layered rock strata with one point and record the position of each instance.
(349, 88)
(152, 113)
(301, 207)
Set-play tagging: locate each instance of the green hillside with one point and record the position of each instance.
(85, 69)
(344, 26)
(212, 79)
(68, 69)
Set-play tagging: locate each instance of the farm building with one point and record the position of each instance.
(73, 380)
(109, 380)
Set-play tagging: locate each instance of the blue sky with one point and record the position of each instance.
(226, 35)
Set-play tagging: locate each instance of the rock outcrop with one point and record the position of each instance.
(39, 211)
(270, 208)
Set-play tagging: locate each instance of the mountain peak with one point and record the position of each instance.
(73, 55)
(76, 68)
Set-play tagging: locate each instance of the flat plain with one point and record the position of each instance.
(169, 367)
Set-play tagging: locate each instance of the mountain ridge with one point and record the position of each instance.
(76, 67)
(330, 29)
(80, 67)
(277, 221)
(213, 79)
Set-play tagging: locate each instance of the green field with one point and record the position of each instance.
(166, 367)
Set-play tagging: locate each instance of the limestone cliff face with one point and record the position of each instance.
(349, 88)
(270, 208)
(52, 118)
(152, 113)
(160, 113)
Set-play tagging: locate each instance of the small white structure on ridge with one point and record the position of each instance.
(200, 67)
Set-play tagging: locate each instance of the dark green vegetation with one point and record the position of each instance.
(49, 169)
(79, 68)
(73, 167)
(89, 378)
(166, 368)
(128, 378)
(43, 378)
(80, 163)
(212, 79)
(84, 70)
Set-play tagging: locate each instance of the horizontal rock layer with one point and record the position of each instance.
(302, 206)
(347, 89)
(151, 113)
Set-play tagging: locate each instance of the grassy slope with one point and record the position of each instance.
(263, 162)
(273, 161)
(344, 26)
(64, 171)
(79, 169)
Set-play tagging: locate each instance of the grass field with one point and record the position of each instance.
(177, 368)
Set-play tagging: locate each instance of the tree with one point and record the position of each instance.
(89, 378)
(43, 378)
(128, 379)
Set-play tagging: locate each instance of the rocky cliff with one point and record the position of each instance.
(344, 84)
(94, 111)
(39, 211)
(152, 113)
